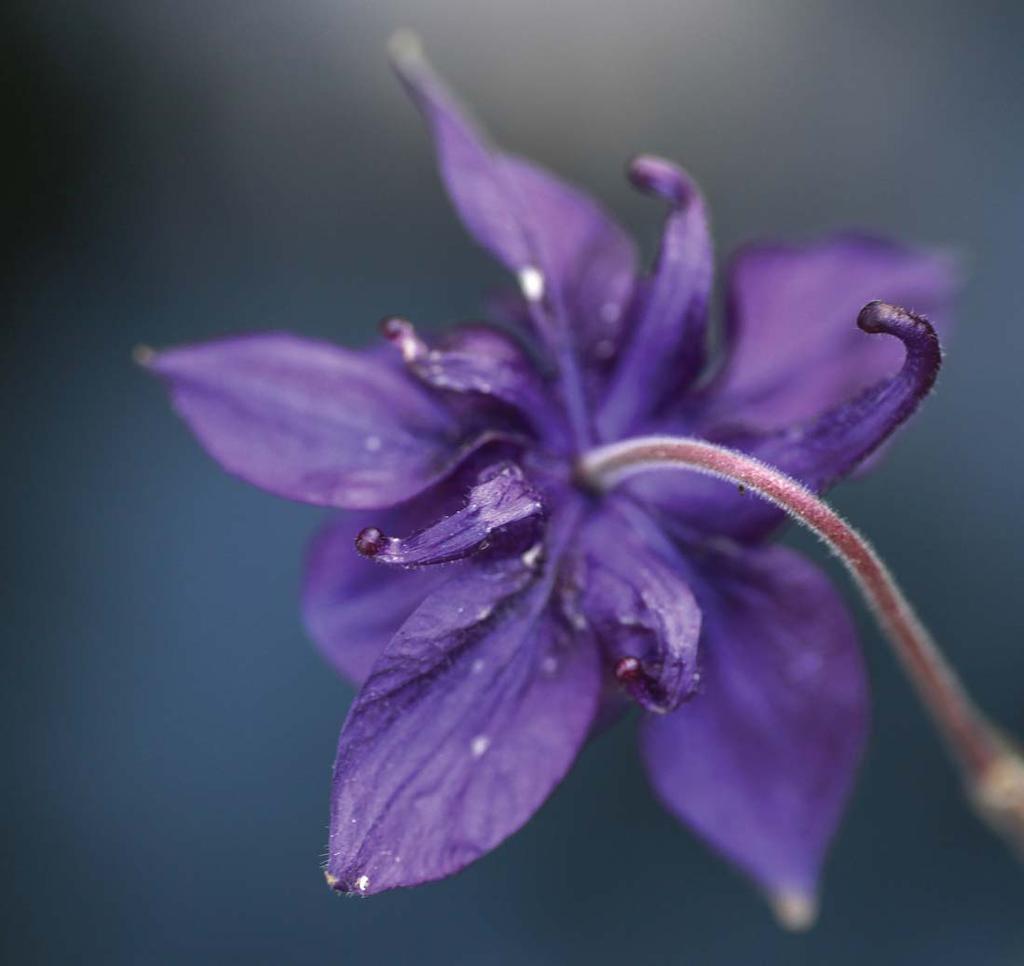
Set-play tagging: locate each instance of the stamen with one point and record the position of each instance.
(992, 769)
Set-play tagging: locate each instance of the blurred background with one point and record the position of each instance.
(180, 169)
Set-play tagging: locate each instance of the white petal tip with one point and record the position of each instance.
(405, 48)
(795, 911)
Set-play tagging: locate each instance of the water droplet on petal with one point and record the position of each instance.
(479, 745)
(532, 556)
(362, 883)
(531, 282)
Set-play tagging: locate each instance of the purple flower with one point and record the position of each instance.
(494, 609)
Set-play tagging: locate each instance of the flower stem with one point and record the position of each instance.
(991, 766)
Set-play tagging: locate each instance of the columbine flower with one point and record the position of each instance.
(495, 606)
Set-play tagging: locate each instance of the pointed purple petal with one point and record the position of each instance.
(309, 420)
(819, 453)
(472, 715)
(642, 612)
(505, 306)
(762, 761)
(588, 262)
(666, 349)
(791, 350)
(502, 514)
(488, 206)
(351, 607)
(575, 263)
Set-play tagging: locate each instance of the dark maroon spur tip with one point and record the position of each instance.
(644, 688)
(370, 541)
(402, 335)
(393, 327)
(629, 670)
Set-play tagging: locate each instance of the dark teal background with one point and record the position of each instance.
(180, 169)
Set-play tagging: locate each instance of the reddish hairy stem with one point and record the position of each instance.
(992, 769)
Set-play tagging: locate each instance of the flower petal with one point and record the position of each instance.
(351, 607)
(819, 453)
(667, 347)
(641, 610)
(480, 360)
(502, 514)
(586, 259)
(472, 715)
(309, 420)
(791, 351)
(761, 763)
(573, 261)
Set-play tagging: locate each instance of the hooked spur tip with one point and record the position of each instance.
(916, 332)
(393, 327)
(642, 686)
(877, 316)
(401, 333)
(628, 670)
(794, 911)
(661, 177)
(370, 541)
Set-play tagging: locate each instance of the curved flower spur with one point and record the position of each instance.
(528, 568)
